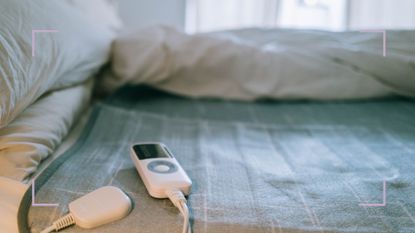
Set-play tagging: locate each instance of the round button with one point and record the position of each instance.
(162, 168)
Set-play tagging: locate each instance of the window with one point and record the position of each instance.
(208, 15)
(317, 14)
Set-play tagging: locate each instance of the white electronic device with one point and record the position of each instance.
(102, 206)
(159, 170)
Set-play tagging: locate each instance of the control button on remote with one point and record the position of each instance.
(162, 166)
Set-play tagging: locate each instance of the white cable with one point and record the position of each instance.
(179, 200)
(59, 224)
(185, 213)
(49, 229)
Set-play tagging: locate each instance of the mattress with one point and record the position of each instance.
(264, 166)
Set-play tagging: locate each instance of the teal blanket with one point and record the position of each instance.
(256, 167)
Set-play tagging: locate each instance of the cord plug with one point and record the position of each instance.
(102, 206)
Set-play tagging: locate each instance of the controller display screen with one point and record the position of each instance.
(151, 151)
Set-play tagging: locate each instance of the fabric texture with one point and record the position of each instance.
(11, 193)
(267, 63)
(36, 133)
(102, 11)
(69, 56)
(256, 167)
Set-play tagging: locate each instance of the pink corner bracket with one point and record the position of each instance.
(384, 38)
(383, 204)
(39, 204)
(34, 38)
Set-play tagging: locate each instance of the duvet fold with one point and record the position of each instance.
(267, 63)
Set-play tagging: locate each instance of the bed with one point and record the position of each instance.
(257, 117)
(268, 166)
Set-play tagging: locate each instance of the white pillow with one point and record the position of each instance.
(36, 132)
(62, 58)
(102, 11)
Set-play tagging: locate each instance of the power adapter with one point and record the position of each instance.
(102, 206)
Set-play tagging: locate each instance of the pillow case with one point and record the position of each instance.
(63, 58)
(36, 132)
(102, 11)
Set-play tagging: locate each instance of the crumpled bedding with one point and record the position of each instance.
(267, 63)
(78, 47)
(289, 167)
(34, 135)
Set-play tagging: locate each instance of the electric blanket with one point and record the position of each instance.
(256, 167)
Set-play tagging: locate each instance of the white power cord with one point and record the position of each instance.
(179, 200)
(61, 223)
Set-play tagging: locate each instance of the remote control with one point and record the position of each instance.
(159, 170)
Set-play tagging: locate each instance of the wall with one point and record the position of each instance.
(362, 14)
(140, 13)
